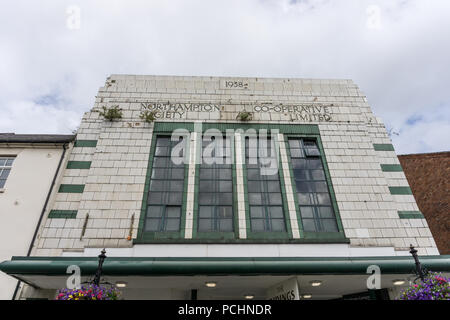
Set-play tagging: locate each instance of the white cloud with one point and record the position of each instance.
(402, 65)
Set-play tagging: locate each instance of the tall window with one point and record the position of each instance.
(264, 191)
(215, 195)
(166, 189)
(5, 168)
(312, 190)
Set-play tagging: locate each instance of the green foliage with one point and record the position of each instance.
(111, 113)
(245, 116)
(148, 115)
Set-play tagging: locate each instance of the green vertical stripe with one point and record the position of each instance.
(410, 215)
(85, 143)
(62, 214)
(400, 190)
(71, 188)
(391, 167)
(79, 165)
(383, 147)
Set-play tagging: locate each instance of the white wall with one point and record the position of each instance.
(22, 201)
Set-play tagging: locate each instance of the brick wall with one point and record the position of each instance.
(429, 178)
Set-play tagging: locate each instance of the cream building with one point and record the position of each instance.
(28, 167)
(337, 204)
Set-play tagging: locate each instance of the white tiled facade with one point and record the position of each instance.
(114, 185)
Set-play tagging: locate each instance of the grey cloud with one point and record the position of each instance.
(402, 65)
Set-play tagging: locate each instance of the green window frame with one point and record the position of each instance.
(215, 200)
(313, 211)
(164, 205)
(266, 199)
(288, 130)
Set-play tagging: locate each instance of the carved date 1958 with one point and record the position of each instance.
(236, 84)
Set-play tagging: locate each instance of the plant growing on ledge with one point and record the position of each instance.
(148, 115)
(111, 113)
(244, 116)
(90, 292)
(434, 287)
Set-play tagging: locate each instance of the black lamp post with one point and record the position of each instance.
(421, 272)
(98, 273)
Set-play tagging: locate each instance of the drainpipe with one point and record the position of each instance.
(42, 213)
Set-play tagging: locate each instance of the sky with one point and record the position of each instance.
(55, 54)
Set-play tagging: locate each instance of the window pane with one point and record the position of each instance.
(205, 198)
(314, 164)
(9, 162)
(2, 183)
(308, 225)
(273, 186)
(317, 175)
(275, 198)
(155, 211)
(173, 212)
(160, 162)
(152, 225)
(307, 212)
(225, 186)
(155, 198)
(304, 198)
(226, 225)
(225, 212)
(176, 185)
(163, 141)
(157, 185)
(225, 174)
(323, 198)
(175, 198)
(206, 186)
(276, 212)
(256, 212)
(4, 173)
(205, 224)
(299, 163)
(162, 151)
(257, 225)
(321, 187)
(226, 198)
(254, 198)
(252, 174)
(160, 173)
(2, 162)
(329, 225)
(304, 186)
(300, 174)
(278, 225)
(172, 225)
(206, 212)
(297, 153)
(272, 177)
(178, 174)
(326, 212)
(254, 186)
(294, 144)
(206, 173)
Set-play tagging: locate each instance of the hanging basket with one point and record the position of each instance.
(89, 292)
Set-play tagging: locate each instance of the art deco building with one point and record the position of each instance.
(305, 196)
